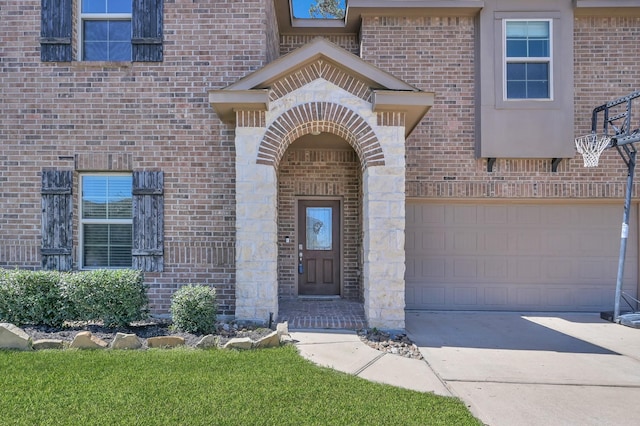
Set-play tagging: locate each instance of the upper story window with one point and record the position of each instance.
(106, 30)
(527, 60)
(106, 224)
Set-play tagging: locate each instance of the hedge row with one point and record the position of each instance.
(116, 297)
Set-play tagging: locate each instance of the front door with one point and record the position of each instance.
(319, 247)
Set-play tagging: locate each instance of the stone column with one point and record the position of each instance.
(384, 237)
(256, 231)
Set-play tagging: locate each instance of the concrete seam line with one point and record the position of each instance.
(369, 364)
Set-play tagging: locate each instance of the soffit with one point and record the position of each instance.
(388, 93)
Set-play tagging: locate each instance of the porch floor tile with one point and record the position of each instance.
(322, 313)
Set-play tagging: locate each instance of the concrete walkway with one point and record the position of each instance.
(344, 351)
(510, 369)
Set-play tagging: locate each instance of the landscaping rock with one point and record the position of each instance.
(286, 338)
(271, 340)
(12, 337)
(208, 342)
(86, 340)
(283, 329)
(125, 341)
(42, 344)
(239, 343)
(165, 342)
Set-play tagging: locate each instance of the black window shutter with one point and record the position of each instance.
(147, 30)
(148, 221)
(55, 31)
(57, 220)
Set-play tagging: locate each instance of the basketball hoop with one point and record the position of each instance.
(591, 146)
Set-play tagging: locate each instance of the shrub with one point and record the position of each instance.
(115, 296)
(193, 308)
(32, 297)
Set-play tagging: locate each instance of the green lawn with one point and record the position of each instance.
(194, 387)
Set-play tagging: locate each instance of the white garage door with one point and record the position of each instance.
(534, 257)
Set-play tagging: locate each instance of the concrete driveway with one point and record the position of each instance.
(534, 369)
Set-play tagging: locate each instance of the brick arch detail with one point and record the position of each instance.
(320, 117)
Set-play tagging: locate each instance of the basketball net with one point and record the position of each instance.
(591, 146)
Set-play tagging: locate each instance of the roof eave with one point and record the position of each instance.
(415, 105)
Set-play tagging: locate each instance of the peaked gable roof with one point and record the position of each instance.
(388, 93)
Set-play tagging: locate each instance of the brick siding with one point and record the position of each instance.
(290, 42)
(108, 116)
(122, 116)
(437, 54)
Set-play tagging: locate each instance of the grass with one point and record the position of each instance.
(193, 387)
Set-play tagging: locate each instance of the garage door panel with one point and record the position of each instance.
(527, 241)
(558, 270)
(598, 242)
(410, 271)
(430, 297)
(595, 269)
(465, 215)
(434, 216)
(593, 216)
(465, 241)
(559, 298)
(528, 269)
(466, 296)
(517, 256)
(558, 216)
(433, 242)
(465, 268)
(495, 241)
(410, 241)
(557, 243)
(528, 297)
(590, 297)
(495, 269)
(495, 215)
(435, 268)
(496, 296)
(527, 215)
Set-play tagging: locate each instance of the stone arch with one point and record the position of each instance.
(320, 117)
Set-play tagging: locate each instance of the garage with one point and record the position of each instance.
(517, 256)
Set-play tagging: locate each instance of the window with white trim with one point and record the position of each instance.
(527, 59)
(106, 30)
(106, 221)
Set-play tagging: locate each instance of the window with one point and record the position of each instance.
(106, 224)
(109, 30)
(527, 64)
(121, 220)
(106, 30)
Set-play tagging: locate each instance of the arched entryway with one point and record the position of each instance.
(321, 89)
(320, 195)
